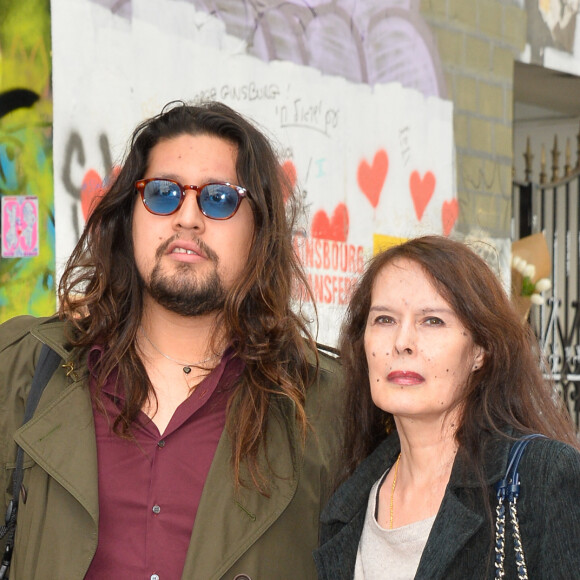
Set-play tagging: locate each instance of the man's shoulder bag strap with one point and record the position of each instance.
(47, 363)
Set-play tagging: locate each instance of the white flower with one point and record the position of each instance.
(529, 271)
(518, 263)
(537, 299)
(543, 284)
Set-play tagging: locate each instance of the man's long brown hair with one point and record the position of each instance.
(509, 392)
(101, 292)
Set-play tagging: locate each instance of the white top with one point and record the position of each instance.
(389, 554)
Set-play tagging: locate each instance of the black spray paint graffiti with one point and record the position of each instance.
(75, 162)
(363, 41)
(13, 100)
(16, 99)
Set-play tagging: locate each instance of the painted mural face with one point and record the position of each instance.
(419, 354)
(188, 261)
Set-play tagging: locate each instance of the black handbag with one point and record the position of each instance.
(509, 487)
(47, 363)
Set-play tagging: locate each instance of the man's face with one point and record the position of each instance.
(188, 261)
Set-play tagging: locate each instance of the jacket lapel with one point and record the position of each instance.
(346, 511)
(447, 540)
(229, 523)
(457, 521)
(63, 442)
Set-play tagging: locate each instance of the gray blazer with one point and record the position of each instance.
(461, 543)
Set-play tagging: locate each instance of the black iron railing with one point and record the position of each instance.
(554, 209)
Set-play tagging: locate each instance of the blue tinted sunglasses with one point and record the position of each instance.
(217, 201)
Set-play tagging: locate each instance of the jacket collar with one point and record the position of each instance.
(356, 488)
(50, 332)
(349, 503)
(495, 457)
(345, 504)
(63, 442)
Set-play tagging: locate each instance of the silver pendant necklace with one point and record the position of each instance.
(186, 366)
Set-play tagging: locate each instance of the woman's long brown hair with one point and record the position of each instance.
(509, 392)
(101, 292)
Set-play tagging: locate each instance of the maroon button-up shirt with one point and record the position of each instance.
(150, 488)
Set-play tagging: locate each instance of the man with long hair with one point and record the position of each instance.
(191, 430)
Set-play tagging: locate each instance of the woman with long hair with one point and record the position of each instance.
(443, 378)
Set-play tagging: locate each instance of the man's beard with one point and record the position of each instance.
(184, 294)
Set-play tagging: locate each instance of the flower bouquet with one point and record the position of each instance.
(530, 268)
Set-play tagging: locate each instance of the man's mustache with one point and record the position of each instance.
(162, 249)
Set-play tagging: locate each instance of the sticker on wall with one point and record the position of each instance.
(19, 226)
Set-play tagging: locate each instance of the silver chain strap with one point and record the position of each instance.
(500, 539)
(519, 548)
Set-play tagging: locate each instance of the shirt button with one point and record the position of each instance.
(161, 443)
(154, 576)
(156, 509)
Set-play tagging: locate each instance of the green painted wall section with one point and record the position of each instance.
(27, 285)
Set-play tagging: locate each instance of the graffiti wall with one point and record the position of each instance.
(26, 180)
(349, 91)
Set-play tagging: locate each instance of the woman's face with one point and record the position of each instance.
(419, 354)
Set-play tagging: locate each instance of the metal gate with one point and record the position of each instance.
(553, 208)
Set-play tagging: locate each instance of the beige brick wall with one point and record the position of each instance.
(478, 41)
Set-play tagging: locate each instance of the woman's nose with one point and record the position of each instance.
(405, 339)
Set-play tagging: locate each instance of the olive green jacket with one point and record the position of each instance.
(240, 536)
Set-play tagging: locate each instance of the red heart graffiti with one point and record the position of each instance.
(421, 191)
(91, 189)
(371, 178)
(289, 170)
(449, 214)
(333, 229)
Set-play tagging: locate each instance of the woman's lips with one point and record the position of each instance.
(405, 378)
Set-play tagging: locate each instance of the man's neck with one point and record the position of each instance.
(183, 338)
(178, 353)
